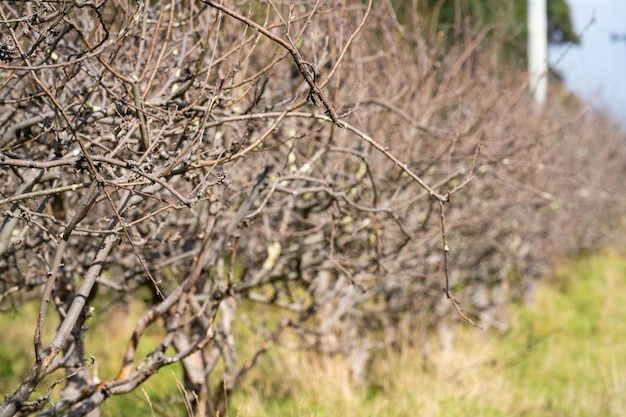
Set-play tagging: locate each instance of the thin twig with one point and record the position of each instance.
(446, 251)
(304, 67)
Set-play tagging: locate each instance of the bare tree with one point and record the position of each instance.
(268, 156)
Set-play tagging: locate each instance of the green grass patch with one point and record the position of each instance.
(574, 361)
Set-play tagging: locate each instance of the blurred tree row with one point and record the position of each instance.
(312, 175)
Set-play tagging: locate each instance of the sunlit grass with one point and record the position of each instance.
(563, 357)
(575, 351)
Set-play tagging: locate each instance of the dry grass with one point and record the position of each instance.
(565, 356)
(562, 357)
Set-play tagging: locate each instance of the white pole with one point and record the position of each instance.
(538, 50)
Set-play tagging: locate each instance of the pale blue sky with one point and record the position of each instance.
(596, 69)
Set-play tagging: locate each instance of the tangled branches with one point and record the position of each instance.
(275, 158)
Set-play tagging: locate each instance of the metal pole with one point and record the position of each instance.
(538, 50)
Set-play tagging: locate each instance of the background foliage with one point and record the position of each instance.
(512, 15)
(449, 20)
